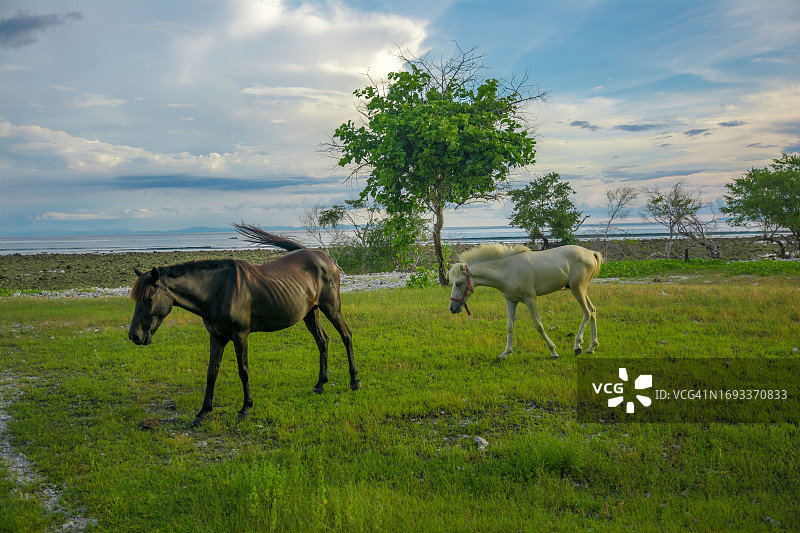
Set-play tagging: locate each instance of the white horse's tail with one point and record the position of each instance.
(598, 258)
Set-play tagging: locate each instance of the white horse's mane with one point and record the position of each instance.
(491, 252)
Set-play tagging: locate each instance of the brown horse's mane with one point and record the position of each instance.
(245, 271)
(141, 288)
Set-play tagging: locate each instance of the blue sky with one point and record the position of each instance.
(168, 115)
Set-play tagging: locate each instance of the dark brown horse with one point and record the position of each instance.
(235, 298)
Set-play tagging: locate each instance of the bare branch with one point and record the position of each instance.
(618, 207)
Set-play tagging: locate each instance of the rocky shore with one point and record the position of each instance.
(111, 274)
(358, 282)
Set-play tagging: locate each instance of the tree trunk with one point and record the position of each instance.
(668, 251)
(438, 224)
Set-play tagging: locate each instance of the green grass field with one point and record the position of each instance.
(108, 422)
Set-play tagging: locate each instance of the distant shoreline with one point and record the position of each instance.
(226, 239)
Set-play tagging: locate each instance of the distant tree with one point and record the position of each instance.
(618, 207)
(671, 208)
(769, 198)
(545, 203)
(436, 137)
(702, 231)
(319, 228)
(362, 218)
(678, 209)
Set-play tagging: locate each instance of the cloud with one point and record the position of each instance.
(97, 100)
(12, 68)
(20, 30)
(78, 215)
(212, 183)
(93, 161)
(82, 215)
(584, 125)
(732, 123)
(696, 132)
(298, 93)
(638, 127)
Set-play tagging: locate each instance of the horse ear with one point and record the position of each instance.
(463, 268)
(138, 272)
(154, 274)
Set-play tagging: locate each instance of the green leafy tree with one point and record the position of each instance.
(770, 198)
(545, 204)
(434, 138)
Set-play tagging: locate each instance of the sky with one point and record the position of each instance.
(150, 116)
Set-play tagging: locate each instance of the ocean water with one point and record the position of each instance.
(228, 240)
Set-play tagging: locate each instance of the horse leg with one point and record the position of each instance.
(334, 314)
(537, 322)
(240, 344)
(580, 296)
(217, 348)
(312, 323)
(588, 317)
(592, 326)
(511, 307)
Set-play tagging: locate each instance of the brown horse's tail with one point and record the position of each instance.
(255, 235)
(598, 258)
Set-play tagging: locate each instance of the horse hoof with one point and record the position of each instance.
(355, 385)
(317, 390)
(197, 421)
(578, 351)
(554, 356)
(241, 416)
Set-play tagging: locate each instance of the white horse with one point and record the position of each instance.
(521, 275)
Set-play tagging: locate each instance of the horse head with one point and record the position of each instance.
(462, 287)
(153, 304)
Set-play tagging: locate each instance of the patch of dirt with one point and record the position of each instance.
(24, 472)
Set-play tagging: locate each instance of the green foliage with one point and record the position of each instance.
(650, 267)
(10, 292)
(378, 247)
(769, 197)
(423, 277)
(545, 203)
(421, 142)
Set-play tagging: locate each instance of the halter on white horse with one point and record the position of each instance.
(467, 291)
(521, 275)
